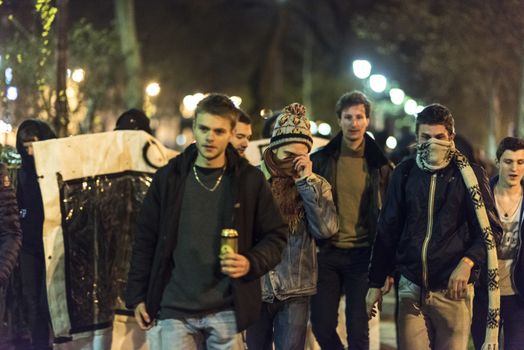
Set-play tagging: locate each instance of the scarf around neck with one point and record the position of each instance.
(471, 182)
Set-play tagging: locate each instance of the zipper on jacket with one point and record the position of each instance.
(431, 202)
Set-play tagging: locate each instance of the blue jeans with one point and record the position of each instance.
(511, 320)
(341, 271)
(212, 332)
(285, 322)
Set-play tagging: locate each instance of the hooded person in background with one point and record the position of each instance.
(32, 263)
(134, 119)
(10, 242)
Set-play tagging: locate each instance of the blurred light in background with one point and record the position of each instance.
(420, 108)
(324, 129)
(391, 142)
(153, 89)
(12, 93)
(361, 69)
(396, 96)
(8, 75)
(78, 75)
(266, 113)
(236, 100)
(410, 107)
(5, 127)
(313, 127)
(181, 140)
(378, 82)
(189, 104)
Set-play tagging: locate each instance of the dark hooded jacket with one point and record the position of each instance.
(379, 168)
(10, 232)
(252, 212)
(28, 192)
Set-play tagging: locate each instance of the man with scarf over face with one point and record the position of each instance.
(306, 203)
(434, 228)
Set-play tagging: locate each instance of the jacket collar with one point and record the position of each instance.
(372, 152)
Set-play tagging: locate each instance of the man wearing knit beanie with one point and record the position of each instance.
(306, 204)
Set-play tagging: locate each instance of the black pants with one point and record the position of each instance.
(35, 299)
(511, 320)
(341, 271)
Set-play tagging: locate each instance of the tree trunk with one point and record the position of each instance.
(61, 121)
(519, 129)
(125, 19)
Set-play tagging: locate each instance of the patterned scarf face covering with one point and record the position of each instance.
(434, 154)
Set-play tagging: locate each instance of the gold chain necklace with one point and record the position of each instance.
(212, 189)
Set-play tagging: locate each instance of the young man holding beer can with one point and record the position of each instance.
(306, 203)
(184, 291)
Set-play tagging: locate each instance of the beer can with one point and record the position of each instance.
(228, 241)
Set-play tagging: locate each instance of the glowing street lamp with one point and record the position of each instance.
(396, 96)
(153, 89)
(78, 75)
(378, 82)
(12, 93)
(361, 69)
(236, 100)
(391, 142)
(410, 107)
(313, 127)
(324, 129)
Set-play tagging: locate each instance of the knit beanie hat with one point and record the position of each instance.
(292, 126)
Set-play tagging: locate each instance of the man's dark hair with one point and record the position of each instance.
(218, 104)
(436, 114)
(352, 98)
(243, 117)
(509, 143)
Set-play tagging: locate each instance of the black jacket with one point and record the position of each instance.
(325, 164)
(28, 191)
(253, 213)
(517, 274)
(403, 225)
(10, 232)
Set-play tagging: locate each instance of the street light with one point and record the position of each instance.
(410, 107)
(324, 129)
(8, 75)
(397, 96)
(78, 75)
(361, 69)
(236, 100)
(378, 82)
(391, 142)
(153, 89)
(313, 127)
(12, 93)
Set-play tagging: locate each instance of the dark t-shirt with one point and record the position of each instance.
(197, 286)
